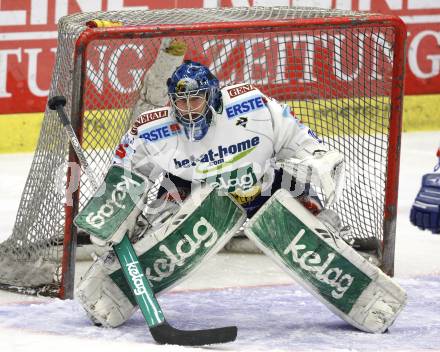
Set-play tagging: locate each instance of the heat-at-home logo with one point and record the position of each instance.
(219, 157)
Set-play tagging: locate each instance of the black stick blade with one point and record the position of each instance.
(56, 101)
(166, 334)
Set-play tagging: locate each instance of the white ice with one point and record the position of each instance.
(271, 312)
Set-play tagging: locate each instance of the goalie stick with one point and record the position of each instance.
(161, 331)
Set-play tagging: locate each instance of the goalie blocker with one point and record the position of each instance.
(325, 265)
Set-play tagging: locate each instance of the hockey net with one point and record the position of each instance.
(341, 71)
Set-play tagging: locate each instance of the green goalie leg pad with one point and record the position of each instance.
(325, 265)
(202, 226)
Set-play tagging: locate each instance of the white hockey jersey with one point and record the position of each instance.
(242, 143)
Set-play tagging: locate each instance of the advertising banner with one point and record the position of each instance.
(28, 40)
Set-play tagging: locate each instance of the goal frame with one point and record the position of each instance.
(159, 31)
(248, 27)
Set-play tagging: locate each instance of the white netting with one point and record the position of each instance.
(337, 77)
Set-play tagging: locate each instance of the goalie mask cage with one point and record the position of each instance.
(341, 71)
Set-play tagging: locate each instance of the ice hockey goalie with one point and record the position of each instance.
(238, 153)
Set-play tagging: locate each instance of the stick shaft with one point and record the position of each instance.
(77, 147)
(139, 284)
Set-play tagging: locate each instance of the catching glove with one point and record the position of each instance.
(325, 169)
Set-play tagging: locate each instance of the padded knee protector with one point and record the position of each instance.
(105, 303)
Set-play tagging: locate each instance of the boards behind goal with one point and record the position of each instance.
(341, 71)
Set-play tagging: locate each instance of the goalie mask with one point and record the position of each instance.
(194, 94)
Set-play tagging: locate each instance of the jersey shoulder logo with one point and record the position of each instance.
(160, 132)
(148, 116)
(245, 106)
(242, 121)
(239, 90)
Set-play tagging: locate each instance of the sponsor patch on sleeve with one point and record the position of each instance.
(146, 117)
(245, 106)
(236, 91)
(160, 132)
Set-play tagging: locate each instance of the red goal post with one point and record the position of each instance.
(341, 71)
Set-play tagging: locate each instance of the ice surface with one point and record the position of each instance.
(278, 317)
(271, 312)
